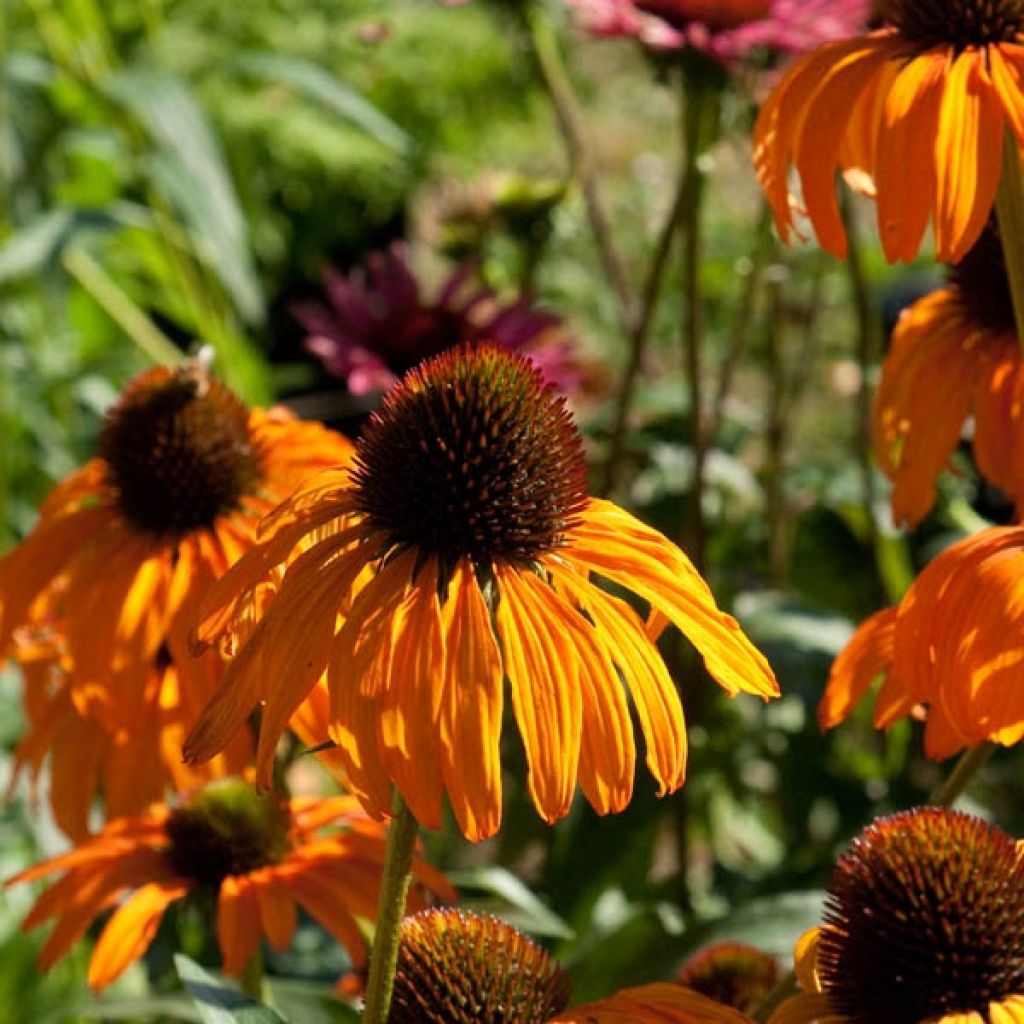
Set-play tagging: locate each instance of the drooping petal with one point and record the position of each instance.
(238, 923)
(411, 707)
(471, 708)
(905, 174)
(865, 657)
(278, 915)
(131, 929)
(543, 673)
(618, 546)
(968, 146)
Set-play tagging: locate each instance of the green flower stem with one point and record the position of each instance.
(700, 109)
(556, 80)
(390, 911)
(971, 762)
(252, 977)
(1010, 214)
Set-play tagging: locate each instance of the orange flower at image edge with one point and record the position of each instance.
(954, 353)
(921, 106)
(660, 1003)
(924, 924)
(259, 857)
(462, 549)
(955, 644)
(99, 598)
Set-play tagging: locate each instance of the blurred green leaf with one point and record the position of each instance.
(320, 85)
(217, 1001)
(190, 170)
(515, 903)
(309, 1003)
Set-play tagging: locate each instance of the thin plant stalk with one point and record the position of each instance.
(865, 350)
(1010, 215)
(548, 57)
(964, 771)
(401, 843)
(252, 977)
(700, 125)
(638, 343)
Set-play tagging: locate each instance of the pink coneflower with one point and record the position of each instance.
(727, 31)
(377, 324)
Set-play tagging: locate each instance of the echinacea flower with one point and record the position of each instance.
(377, 325)
(921, 106)
(456, 967)
(923, 924)
(954, 353)
(657, 1003)
(260, 858)
(733, 973)
(132, 767)
(463, 551)
(953, 644)
(126, 546)
(728, 31)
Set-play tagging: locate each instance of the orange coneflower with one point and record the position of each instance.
(954, 352)
(733, 973)
(954, 644)
(924, 924)
(467, 554)
(131, 767)
(658, 1003)
(259, 856)
(126, 547)
(920, 105)
(456, 967)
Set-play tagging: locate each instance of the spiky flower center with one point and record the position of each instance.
(925, 917)
(178, 451)
(460, 968)
(957, 23)
(981, 286)
(471, 455)
(227, 829)
(732, 973)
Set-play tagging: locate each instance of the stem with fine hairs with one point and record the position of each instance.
(402, 835)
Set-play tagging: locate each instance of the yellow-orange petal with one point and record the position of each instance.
(968, 149)
(130, 930)
(471, 708)
(867, 655)
(238, 923)
(411, 707)
(618, 546)
(905, 173)
(542, 671)
(278, 915)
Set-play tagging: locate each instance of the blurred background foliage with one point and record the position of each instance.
(178, 172)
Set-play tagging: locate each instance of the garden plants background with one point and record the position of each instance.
(475, 460)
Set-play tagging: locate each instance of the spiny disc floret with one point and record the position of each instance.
(472, 455)
(227, 829)
(957, 23)
(178, 451)
(925, 917)
(460, 968)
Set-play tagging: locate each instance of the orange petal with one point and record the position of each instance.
(131, 929)
(866, 656)
(238, 923)
(277, 910)
(471, 710)
(543, 671)
(905, 175)
(968, 155)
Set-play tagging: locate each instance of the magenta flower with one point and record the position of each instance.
(377, 325)
(729, 30)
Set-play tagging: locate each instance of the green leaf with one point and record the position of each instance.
(320, 85)
(515, 903)
(189, 169)
(37, 245)
(217, 1001)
